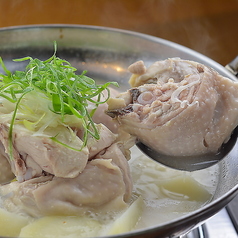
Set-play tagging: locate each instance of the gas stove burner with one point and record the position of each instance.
(222, 225)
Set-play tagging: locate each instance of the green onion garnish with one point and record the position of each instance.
(57, 81)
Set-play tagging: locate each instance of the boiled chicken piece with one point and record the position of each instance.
(162, 71)
(100, 116)
(104, 185)
(37, 155)
(105, 140)
(6, 174)
(178, 107)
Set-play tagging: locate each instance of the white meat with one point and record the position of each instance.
(35, 155)
(101, 117)
(104, 185)
(179, 107)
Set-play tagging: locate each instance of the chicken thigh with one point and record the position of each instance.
(178, 107)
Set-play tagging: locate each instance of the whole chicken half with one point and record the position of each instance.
(177, 107)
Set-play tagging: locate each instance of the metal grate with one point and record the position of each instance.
(222, 225)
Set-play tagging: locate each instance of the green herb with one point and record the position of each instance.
(57, 80)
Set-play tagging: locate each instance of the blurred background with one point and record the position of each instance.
(207, 26)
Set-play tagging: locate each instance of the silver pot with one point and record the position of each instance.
(106, 53)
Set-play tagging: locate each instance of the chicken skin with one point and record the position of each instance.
(178, 107)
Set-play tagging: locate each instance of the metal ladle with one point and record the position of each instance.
(191, 163)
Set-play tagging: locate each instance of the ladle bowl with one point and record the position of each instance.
(191, 163)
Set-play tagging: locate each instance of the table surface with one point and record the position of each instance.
(207, 26)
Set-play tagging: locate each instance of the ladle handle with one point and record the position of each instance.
(233, 66)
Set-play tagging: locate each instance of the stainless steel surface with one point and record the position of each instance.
(106, 54)
(232, 210)
(220, 226)
(233, 66)
(196, 233)
(191, 163)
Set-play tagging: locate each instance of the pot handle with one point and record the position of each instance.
(233, 66)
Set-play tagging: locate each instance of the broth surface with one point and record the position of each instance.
(169, 194)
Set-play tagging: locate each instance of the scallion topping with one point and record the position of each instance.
(56, 79)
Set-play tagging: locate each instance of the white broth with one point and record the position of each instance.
(160, 194)
(169, 194)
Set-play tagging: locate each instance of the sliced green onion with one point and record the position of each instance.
(68, 92)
